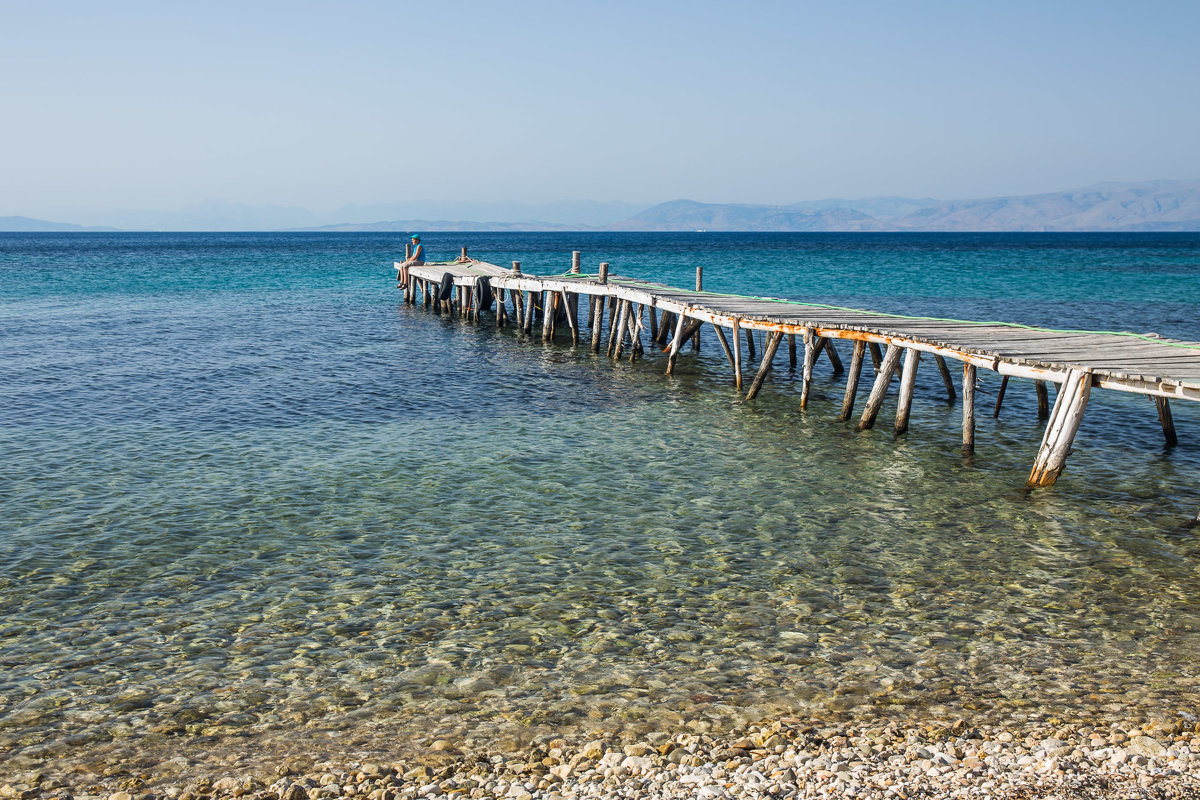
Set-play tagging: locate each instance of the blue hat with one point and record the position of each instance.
(416, 236)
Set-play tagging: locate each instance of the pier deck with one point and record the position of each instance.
(1075, 361)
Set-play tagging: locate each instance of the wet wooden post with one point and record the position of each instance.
(737, 355)
(725, 345)
(1061, 429)
(883, 379)
(501, 309)
(792, 354)
(813, 345)
(1043, 399)
(598, 310)
(834, 359)
(949, 383)
(548, 303)
(627, 312)
(699, 288)
(572, 312)
(908, 379)
(635, 332)
(876, 357)
(530, 313)
(856, 363)
(968, 389)
(653, 323)
(764, 368)
(750, 344)
(664, 327)
(616, 336)
(676, 342)
(1168, 423)
(1000, 397)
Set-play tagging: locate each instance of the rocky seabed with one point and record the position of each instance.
(785, 759)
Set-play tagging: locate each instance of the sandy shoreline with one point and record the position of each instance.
(789, 757)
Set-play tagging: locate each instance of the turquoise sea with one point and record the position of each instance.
(252, 506)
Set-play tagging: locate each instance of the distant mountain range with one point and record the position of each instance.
(30, 225)
(1153, 206)
(1148, 206)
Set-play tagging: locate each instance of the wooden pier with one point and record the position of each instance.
(641, 314)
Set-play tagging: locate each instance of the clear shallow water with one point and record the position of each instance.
(252, 504)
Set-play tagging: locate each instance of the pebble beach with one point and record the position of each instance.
(788, 758)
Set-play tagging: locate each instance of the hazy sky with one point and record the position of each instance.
(158, 104)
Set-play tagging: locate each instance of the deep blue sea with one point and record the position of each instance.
(252, 505)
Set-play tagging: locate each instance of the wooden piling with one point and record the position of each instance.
(750, 343)
(675, 343)
(813, 345)
(725, 345)
(597, 320)
(1043, 400)
(856, 363)
(664, 328)
(968, 425)
(946, 379)
(572, 313)
(908, 379)
(653, 324)
(603, 273)
(883, 379)
(835, 360)
(699, 288)
(876, 357)
(548, 303)
(792, 354)
(530, 313)
(627, 307)
(737, 355)
(1000, 397)
(1165, 419)
(616, 325)
(1064, 422)
(764, 368)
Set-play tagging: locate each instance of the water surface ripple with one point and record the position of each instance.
(254, 506)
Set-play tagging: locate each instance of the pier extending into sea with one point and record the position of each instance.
(626, 316)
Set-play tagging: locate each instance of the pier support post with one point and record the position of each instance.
(908, 379)
(597, 321)
(834, 359)
(1168, 423)
(548, 302)
(616, 327)
(737, 355)
(725, 345)
(883, 379)
(856, 362)
(676, 342)
(1061, 429)
(763, 369)
(699, 288)
(813, 345)
(792, 353)
(529, 313)
(1000, 397)
(625, 326)
(968, 389)
(949, 383)
(876, 356)
(750, 344)
(1043, 398)
(570, 302)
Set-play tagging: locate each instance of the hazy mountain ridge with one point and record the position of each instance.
(1146, 206)
(1149, 206)
(31, 225)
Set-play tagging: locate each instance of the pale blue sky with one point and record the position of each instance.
(152, 105)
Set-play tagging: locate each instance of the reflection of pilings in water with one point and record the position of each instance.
(1160, 369)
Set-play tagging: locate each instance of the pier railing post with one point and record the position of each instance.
(575, 261)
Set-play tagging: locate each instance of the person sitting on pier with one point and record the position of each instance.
(415, 260)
